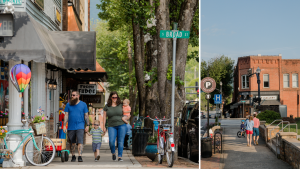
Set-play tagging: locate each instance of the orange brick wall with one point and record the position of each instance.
(275, 66)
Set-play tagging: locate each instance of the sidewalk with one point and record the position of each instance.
(129, 161)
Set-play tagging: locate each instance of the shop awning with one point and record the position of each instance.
(270, 102)
(31, 41)
(78, 49)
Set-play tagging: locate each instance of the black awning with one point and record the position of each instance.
(31, 41)
(78, 49)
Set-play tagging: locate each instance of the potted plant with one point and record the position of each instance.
(151, 148)
(38, 123)
(2, 118)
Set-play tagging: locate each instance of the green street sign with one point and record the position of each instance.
(243, 101)
(15, 2)
(171, 34)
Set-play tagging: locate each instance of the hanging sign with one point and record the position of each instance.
(87, 89)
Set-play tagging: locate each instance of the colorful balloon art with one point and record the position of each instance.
(20, 76)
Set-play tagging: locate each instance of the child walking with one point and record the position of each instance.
(126, 110)
(97, 134)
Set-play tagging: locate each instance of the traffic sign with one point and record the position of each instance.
(208, 84)
(243, 101)
(207, 96)
(218, 98)
(172, 34)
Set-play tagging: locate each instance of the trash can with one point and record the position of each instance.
(139, 141)
(206, 147)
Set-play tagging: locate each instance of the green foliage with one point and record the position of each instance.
(178, 82)
(153, 77)
(217, 119)
(221, 70)
(38, 119)
(152, 139)
(269, 116)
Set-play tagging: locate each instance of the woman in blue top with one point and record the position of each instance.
(249, 131)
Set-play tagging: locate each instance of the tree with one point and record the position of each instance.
(221, 70)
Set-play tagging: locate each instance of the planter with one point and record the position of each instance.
(151, 150)
(39, 128)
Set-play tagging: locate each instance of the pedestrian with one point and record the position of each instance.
(249, 131)
(126, 111)
(96, 134)
(255, 129)
(76, 115)
(116, 126)
(246, 122)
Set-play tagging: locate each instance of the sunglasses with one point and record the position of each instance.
(114, 97)
(73, 95)
(96, 125)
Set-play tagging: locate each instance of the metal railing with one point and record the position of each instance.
(277, 135)
(277, 126)
(266, 136)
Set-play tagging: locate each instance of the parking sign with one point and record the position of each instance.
(218, 98)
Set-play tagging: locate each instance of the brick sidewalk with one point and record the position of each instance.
(180, 163)
(214, 162)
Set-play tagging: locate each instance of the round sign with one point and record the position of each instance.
(208, 84)
(207, 96)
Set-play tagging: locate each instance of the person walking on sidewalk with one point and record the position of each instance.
(255, 129)
(249, 131)
(76, 115)
(116, 126)
(97, 134)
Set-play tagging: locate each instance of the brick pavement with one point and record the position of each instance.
(180, 163)
(214, 162)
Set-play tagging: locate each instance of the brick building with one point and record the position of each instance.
(279, 85)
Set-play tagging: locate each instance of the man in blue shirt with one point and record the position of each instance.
(76, 114)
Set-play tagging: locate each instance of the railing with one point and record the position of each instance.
(277, 126)
(277, 135)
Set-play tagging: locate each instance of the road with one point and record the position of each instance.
(224, 122)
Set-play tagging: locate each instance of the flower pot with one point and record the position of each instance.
(6, 121)
(151, 150)
(39, 128)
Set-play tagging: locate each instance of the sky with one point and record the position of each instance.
(94, 11)
(237, 28)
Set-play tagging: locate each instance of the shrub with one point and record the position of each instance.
(269, 116)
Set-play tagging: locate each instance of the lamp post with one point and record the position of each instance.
(221, 96)
(258, 83)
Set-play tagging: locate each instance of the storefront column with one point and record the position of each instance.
(25, 100)
(14, 123)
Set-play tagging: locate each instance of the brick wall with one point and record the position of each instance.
(262, 132)
(290, 153)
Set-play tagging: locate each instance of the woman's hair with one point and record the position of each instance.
(251, 118)
(109, 101)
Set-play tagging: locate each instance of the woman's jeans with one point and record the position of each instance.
(117, 131)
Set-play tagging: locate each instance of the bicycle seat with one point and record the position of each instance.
(165, 125)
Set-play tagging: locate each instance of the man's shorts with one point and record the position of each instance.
(96, 146)
(73, 134)
(249, 131)
(255, 131)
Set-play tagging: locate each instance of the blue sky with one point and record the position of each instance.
(238, 28)
(93, 10)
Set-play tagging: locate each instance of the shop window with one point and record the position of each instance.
(245, 81)
(6, 25)
(295, 80)
(286, 82)
(266, 80)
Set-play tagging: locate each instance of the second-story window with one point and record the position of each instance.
(295, 80)
(286, 82)
(266, 80)
(245, 82)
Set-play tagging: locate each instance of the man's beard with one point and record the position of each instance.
(73, 101)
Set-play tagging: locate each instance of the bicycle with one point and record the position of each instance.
(240, 134)
(42, 148)
(165, 141)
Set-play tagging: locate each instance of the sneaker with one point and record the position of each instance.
(73, 158)
(114, 157)
(120, 159)
(96, 160)
(98, 157)
(80, 159)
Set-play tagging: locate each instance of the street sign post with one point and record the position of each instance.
(173, 34)
(218, 98)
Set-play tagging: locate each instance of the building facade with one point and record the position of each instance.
(279, 85)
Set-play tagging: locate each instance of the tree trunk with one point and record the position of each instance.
(163, 53)
(131, 98)
(139, 67)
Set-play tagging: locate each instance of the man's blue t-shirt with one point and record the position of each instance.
(76, 115)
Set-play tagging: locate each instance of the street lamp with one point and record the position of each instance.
(221, 95)
(258, 83)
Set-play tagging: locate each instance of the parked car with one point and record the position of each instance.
(188, 143)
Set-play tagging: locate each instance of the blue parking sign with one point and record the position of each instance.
(218, 98)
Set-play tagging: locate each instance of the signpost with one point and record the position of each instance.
(87, 89)
(208, 85)
(173, 34)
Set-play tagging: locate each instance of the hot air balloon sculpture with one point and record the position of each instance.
(20, 76)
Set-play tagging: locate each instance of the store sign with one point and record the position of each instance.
(92, 99)
(268, 97)
(14, 2)
(58, 16)
(6, 25)
(87, 89)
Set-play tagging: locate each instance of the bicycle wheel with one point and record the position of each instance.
(169, 153)
(159, 151)
(41, 157)
(239, 134)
